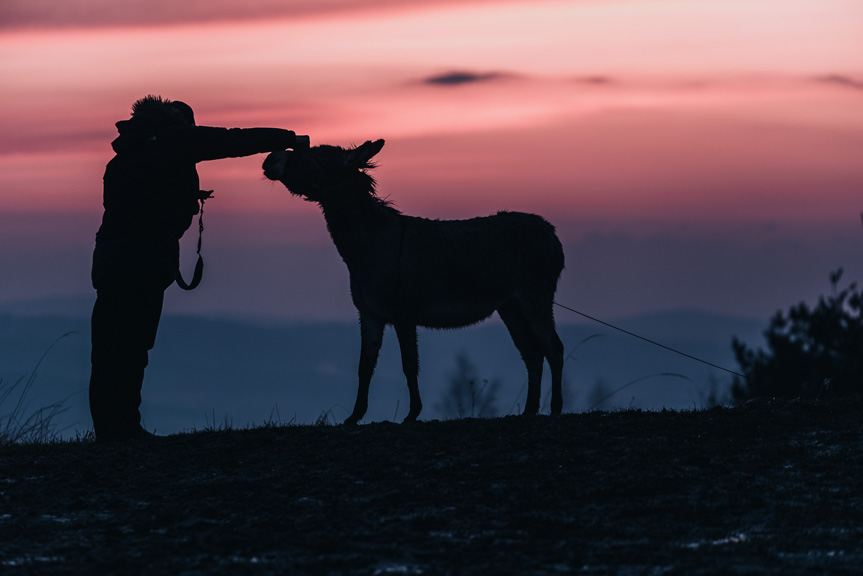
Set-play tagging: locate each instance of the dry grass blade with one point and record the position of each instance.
(636, 381)
(15, 427)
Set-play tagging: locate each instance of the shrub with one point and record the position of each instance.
(809, 351)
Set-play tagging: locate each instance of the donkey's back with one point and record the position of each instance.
(459, 272)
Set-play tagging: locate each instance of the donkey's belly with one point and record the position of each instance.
(451, 314)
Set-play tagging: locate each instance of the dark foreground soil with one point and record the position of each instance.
(774, 488)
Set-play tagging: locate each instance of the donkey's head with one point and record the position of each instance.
(318, 172)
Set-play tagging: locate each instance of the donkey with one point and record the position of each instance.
(408, 271)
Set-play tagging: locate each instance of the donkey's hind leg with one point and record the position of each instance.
(407, 335)
(554, 355)
(531, 352)
(540, 317)
(372, 334)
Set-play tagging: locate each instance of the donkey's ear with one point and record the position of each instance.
(360, 156)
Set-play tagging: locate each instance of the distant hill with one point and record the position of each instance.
(207, 369)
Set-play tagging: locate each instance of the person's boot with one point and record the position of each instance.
(132, 434)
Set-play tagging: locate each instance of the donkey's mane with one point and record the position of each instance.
(370, 185)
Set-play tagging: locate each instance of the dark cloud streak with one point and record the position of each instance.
(54, 14)
(596, 80)
(841, 80)
(458, 78)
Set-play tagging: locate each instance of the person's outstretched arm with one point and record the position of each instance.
(208, 143)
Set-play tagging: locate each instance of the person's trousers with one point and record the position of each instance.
(124, 324)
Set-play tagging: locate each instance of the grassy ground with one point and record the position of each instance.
(772, 488)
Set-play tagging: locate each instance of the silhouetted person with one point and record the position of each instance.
(151, 194)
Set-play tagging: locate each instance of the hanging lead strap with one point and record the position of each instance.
(199, 266)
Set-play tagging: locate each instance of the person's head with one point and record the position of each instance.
(185, 110)
(155, 109)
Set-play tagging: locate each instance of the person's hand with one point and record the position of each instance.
(303, 143)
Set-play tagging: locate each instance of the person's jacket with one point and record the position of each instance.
(151, 191)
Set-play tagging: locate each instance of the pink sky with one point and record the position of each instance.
(641, 116)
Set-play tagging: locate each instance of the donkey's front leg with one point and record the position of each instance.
(407, 334)
(372, 333)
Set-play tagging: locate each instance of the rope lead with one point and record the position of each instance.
(648, 340)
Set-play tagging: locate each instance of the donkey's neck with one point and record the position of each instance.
(357, 224)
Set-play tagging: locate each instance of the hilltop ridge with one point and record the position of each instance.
(767, 489)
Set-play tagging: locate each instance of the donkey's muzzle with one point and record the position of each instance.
(275, 164)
